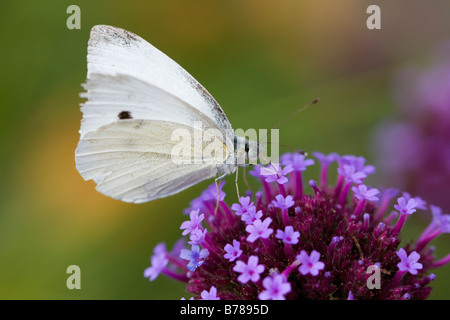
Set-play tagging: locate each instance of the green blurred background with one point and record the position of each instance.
(260, 59)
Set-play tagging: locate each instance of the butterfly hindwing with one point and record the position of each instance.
(132, 160)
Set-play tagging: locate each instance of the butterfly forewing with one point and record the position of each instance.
(113, 51)
(133, 160)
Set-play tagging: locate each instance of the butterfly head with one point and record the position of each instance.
(246, 151)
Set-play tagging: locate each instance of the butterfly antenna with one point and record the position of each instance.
(286, 146)
(291, 116)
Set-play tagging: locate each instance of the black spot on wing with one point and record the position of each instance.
(124, 115)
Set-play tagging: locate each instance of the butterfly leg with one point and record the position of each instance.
(236, 182)
(245, 180)
(218, 192)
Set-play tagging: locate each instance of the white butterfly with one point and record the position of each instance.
(136, 98)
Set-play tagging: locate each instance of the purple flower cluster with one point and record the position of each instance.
(290, 242)
(413, 149)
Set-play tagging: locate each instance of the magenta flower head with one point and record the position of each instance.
(195, 222)
(409, 262)
(233, 251)
(296, 240)
(250, 270)
(276, 288)
(440, 220)
(259, 229)
(288, 235)
(282, 202)
(350, 174)
(210, 295)
(406, 207)
(413, 147)
(243, 206)
(251, 216)
(159, 262)
(274, 172)
(364, 193)
(296, 160)
(310, 263)
(195, 256)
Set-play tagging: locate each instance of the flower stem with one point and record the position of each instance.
(359, 207)
(282, 189)
(288, 251)
(269, 246)
(422, 244)
(267, 192)
(392, 216)
(398, 226)
(230, 216)
(174, 275)
(298, 184)
(396, 280)
(426, 232)
(343, 195)
(179, 263)
(339, 183)
(285, 217)
(441, 262)
(382, 209)
(289, 269)
(324, 177)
